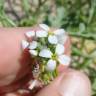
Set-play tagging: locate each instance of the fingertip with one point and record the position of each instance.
(68, 84)
(73, 81)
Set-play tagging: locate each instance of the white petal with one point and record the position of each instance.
(33, 45)
(52, 39)
(64, 60)
(51, 65)
(60, 49)
(30, 34)
(62, 39)
(34, 83)
(25, 44)
(45, 53)
(33, 52)
(41, 33)
(44, 26)
(59, 31)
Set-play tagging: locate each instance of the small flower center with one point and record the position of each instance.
(54, 57)
(50, 33)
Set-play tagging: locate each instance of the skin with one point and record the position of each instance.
(67, 83)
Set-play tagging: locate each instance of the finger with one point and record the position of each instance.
(12, 62)
(11, 59)
(12, 94)
(12, 55)
(10, 40)
(20, 92)
(68, 84)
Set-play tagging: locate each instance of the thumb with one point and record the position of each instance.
(68, 84)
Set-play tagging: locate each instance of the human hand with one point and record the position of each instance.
(13, 66)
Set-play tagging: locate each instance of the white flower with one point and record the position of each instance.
(57, 35)
(60, 49)
(33, 45)
(59, 57)
(64, 60)
(25, 44)
(45, 27)
(30, 34)
(33, 52)
(59, 32)
(61, 36)
(62, 39)
(41, 33)
(52, 39)
(46, 53)
(51, 65)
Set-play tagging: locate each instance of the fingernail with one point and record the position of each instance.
(67, 87)
(11, 94)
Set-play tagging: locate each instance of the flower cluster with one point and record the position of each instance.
(48, 45)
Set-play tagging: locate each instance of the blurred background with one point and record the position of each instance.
(77, 17)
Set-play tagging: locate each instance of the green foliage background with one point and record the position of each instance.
(78, 17)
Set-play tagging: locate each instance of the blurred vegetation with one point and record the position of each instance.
(78, 17)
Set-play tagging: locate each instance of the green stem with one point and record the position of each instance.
(92, 11)
(76, 51)
(85, 36)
